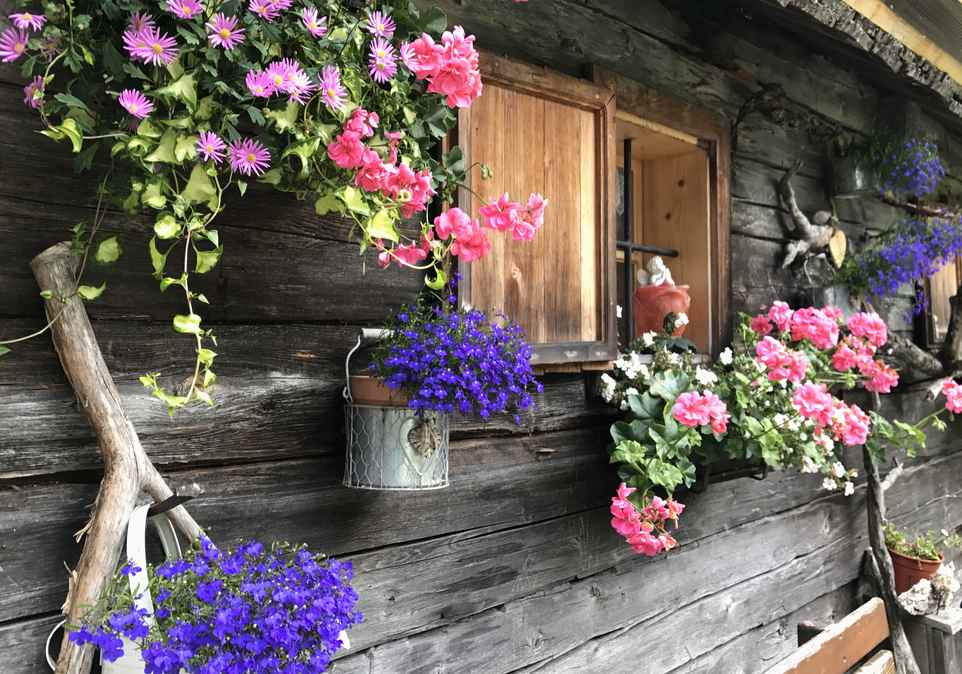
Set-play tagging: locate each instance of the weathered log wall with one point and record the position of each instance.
(514, 568)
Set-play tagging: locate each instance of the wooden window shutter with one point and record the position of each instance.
(541, 131)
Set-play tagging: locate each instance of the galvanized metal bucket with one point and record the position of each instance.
(390, 447)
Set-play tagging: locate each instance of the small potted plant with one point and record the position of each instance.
(252, 609)
(917, 559)
(436, 360)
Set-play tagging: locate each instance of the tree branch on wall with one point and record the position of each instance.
(128, 470)
(813, 235)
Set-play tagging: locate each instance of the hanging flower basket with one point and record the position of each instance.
(389, 445)
(854, 176)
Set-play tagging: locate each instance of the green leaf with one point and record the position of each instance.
(68, 129)
(381, 226)
(183, 89)
(438, 282)
(166, 227)
(4, 350)
(207, 259)
(669, 385)
(46, 294)
(168, 281)
(158, 260)
(153, 195)
(164, 152)
(212, 236)
(185, 148)
(242, 187)
(272, 177)
(354, 200)
(206, 356)
(199, 188)
(90, 293)
(304, 151)
(71, 101)
(284, 119)
(645, 406)
(108, 251)
(255, 115)
(434, 21)
(329, 203)
(188, 324)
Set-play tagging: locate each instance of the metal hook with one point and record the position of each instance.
(366, 335)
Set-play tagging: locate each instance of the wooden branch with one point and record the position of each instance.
(127, 468)
(893, 475)
(915, 363)
(905, 662)
(811, 236)
(919, 209)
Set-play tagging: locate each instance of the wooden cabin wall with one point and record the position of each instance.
(514, 568)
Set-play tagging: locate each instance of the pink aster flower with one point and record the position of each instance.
(139, 22)
(382, 64)
(33, 93)
(315, 26)
(381, 24)
(222, 31)
(300, 87)
(13, 43)
(408, 57)
(185, 9)
(28, 21)
(332, 92)
(259, 84)
(151, 46)
(953, 396)
(249, 157)
(135, 103)
(211, 147)
(265, 9)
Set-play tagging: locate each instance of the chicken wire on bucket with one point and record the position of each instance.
(393, 447)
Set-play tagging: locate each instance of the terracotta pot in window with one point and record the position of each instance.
(652, 303)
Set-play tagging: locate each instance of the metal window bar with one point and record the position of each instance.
(629, 247)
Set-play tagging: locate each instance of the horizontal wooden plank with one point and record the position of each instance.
(23, 642)
(509, 637)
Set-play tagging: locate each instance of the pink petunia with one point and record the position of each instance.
(135, 103)
(332, 91)
(222, 31)
(185, 9)
(380, 24)
(13, 43)
(314, 25)
(33, 93)
(953, 396)
(382, 62)
(28, 21)
(211, 147)
(249, 157)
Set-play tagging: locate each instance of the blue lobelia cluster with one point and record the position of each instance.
(252, 610)
(915, 251)
(913, 166)
(452, 360)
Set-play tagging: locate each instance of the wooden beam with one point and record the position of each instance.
(885, 18)
(840, 646)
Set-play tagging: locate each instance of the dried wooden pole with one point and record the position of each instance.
(127, 468)
(813, 235)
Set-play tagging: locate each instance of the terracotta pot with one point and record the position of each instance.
(910, 570)
(653, 303)
(367, 390)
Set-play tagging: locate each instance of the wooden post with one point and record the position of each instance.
(127, 468)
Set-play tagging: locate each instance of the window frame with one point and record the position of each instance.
(713, 131)
(599, 99)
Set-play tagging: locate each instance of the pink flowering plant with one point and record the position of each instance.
(342, 103)
(774, 397)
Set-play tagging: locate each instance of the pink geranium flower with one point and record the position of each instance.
(347, 150)
(953, 396)
(844, 358)
(222, 31)
(362, 122)
(501, 214)
(812, 324)
(28, 21)
(13, 43)
(882, 378)
(314, 25)
(813, 401)
(530, 219)
(850, 425)
(332, 92)
(870, 326)
(33, 93)
(135, 103)
(371, 174)
(249, 157)
(185, 9)
(694, 409)
(781, 315)
(769, 352)
(211, 147)
(760, 325)
(380, 24)
(451, 68)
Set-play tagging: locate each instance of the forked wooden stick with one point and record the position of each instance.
(128, 470)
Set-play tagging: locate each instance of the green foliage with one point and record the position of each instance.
(931, 545)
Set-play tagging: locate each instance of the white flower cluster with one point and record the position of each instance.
(633, 365)
(608, 387)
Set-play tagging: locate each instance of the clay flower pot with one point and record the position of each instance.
(366, 390)
(653, 303)
(910, 570)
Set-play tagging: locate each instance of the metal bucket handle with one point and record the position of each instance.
(366, 335)
(137, 553)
